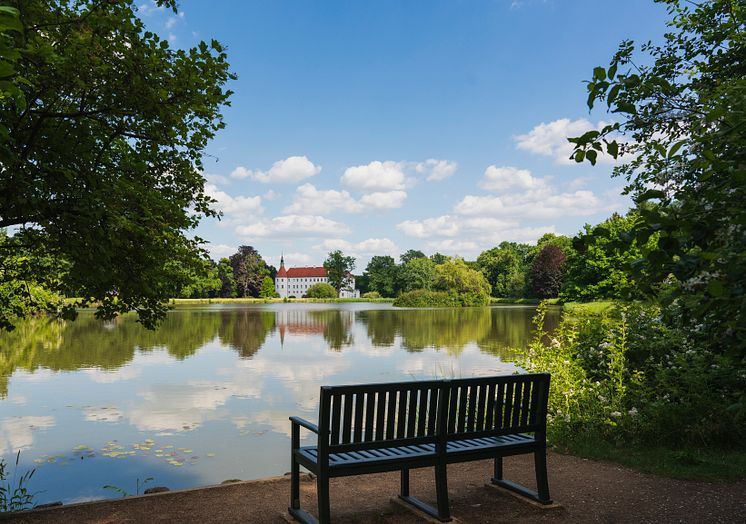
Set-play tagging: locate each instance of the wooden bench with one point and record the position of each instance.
(406, 425)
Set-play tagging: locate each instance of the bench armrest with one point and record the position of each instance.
(303, 422)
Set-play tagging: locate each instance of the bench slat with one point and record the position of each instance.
(347, 419)
(357, 435)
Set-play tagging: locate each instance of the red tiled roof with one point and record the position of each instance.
(282, 273)
(303, 272)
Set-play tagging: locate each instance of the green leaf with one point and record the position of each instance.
(625, 107)
(650, 194)
(716, 288)
(579, 156)
(599, 73)
(675, 148)
(613, 148)
(591, 156)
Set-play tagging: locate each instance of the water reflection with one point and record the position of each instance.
(89, 343)
(218, 381)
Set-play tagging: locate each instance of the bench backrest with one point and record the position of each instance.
(355, 418)
(493, 406)
(360, 417)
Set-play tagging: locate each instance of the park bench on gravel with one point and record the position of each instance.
(400, 426)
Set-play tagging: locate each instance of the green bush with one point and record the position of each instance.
(321, 290)
(426, 298)
(371, 294)
(626, 374)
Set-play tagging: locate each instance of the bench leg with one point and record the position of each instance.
(542, 481)
(442, 512)
(498, 468)
(542, 484)
(322, 488)
(404, 489)
(441, 491)
(294, 483)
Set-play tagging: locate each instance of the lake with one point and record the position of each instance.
(207, 396)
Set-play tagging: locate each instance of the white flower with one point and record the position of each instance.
(615, 414)
(633, 412)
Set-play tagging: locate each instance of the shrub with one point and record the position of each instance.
(371, 294)
(426, 298)
(467, 286)
(625, 374)
(321, 290)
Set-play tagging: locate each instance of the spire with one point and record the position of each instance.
(282, 259)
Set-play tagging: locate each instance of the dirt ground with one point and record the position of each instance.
(588, 491)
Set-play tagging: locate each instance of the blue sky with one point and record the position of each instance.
(379, 126)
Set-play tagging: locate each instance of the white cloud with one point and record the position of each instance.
(371, 246)
(445, 225)
(386, 176)
(293, 226)
(218, 251)
(449, 246)
(311, 201)
(383, 199)
(550, 139)
(531, 206)
(292, 259)
(291, 169)
(235, 208)
(506, 178)
(436, 169)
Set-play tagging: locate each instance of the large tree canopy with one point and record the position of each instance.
(104, 128)
(682, 120)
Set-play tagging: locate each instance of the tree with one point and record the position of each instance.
(201, 283)
(227, 280)
(249, 270)
(418, 273)
(411, 254)
(439, 258)
(103, 131)
(505, 269)
(470, 287)
(268, 288)
(339, 269)
(680, 124)
(600, 268)
(321, 290)
(382, 275)
(547, 272)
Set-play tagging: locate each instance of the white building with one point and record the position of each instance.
(294, 282)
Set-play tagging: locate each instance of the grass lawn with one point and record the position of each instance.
(690, 464)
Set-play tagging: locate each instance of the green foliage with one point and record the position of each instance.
(382, 275)
(418, 273)
(681, 123)
(202, 283)
(321, 290)
(426, 298)
(249, 270)
(339, 269)
(104, 127)
(228, 288)
(467, 286)
(371, 294)
(268, 288)
(411, 254)
(14, 495)
(600, 268)
(505, 269)
(623, 375)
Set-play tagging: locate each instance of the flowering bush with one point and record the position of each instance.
(626, 374)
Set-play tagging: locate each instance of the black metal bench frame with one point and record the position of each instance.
(407, 425)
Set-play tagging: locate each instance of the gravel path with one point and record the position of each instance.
(589, 491)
